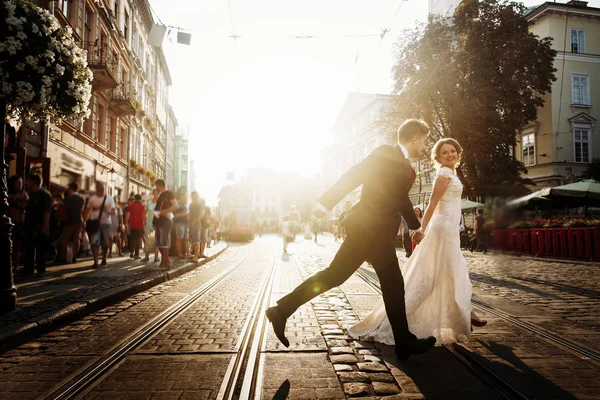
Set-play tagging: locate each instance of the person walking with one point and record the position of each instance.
(163, 221)
(480, 241)
(100, 208)
(181, 221)
(286, 233)
(205, 223)
(137, 215)
(71, 233)
(36, 226)
(195, 225)
(386, 176)
(149, 236)
(17, 204)
(116, 227)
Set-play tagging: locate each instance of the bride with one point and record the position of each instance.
(436, 279)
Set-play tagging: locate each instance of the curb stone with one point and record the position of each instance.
(29, 330)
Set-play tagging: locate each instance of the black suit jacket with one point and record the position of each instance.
(386, 177)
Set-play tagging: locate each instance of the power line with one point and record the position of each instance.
(233, 35)
(382, 36)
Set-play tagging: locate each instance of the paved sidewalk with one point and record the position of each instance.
(71, 291)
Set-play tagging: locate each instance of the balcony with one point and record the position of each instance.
(123, 100)
(104, 65)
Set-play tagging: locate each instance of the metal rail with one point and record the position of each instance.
(557, 340)
(241, 376)
(85, 378)
(485, 374)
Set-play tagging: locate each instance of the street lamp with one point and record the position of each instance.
(8, 291)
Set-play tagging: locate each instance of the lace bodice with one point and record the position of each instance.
(448, 207)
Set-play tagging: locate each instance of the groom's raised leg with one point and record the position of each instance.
(350, 256)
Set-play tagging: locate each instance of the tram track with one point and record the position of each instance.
(242, 378)
(82, 380)
(460, 352)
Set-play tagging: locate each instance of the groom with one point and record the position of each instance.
(371, 225)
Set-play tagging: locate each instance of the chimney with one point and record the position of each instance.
(576, 3)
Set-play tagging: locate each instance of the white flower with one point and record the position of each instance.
(31, 61)
(60, 70)
(35, 29)
(20, 66)
(21, 35)
(13, 21)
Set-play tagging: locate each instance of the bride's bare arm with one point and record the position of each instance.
(439, 188)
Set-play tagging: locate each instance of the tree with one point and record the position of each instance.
(478, 77)
(593, 170)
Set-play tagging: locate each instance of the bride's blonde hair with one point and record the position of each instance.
(435, 151)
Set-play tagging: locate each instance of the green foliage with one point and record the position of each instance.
(593, 170)
(478, 77)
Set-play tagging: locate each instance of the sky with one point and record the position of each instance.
(269, 99)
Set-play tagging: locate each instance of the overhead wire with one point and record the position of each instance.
(382, 36)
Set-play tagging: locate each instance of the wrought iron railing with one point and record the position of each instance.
(101, 55)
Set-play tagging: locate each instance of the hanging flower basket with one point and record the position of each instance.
(43, 73)
(133, 163)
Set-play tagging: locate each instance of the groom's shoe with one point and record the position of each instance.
(278, 322)
(414, 347)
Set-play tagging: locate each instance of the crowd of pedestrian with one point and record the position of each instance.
(63, 227)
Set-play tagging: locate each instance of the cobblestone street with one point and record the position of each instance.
(203, 335)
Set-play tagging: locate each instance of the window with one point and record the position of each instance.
(126, 27)
(87, 31)
(577, 41)
(581, 144)
(580, 88)
(528, 149)
(64, 7)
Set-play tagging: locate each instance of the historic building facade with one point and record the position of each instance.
(558, 146)
(123, 142)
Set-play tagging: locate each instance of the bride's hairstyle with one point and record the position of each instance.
(435, 152)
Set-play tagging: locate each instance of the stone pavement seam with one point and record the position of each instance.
(357, 364)
(53, 319)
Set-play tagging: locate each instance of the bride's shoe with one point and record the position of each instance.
(478, 322)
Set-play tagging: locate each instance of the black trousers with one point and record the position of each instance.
(407, 243)
(35, 250)
(135, 241)
(351, 254)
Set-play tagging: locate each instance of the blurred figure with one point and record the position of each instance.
(125, 232)
(163, 213)
(100, 207)
(195, 225)
(480, 241)
(286, 233)
(149, 239)
(315, 228)
(181, 227)
(137, 215)
(17, 204)
(36, 225)
(116, 228)
(205, 221)
(71, 233)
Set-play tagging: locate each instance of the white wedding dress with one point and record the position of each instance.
(436, 280)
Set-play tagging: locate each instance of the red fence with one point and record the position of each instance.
(581, 243)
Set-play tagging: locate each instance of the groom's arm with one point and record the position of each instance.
(408, 212)
(354, 177)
